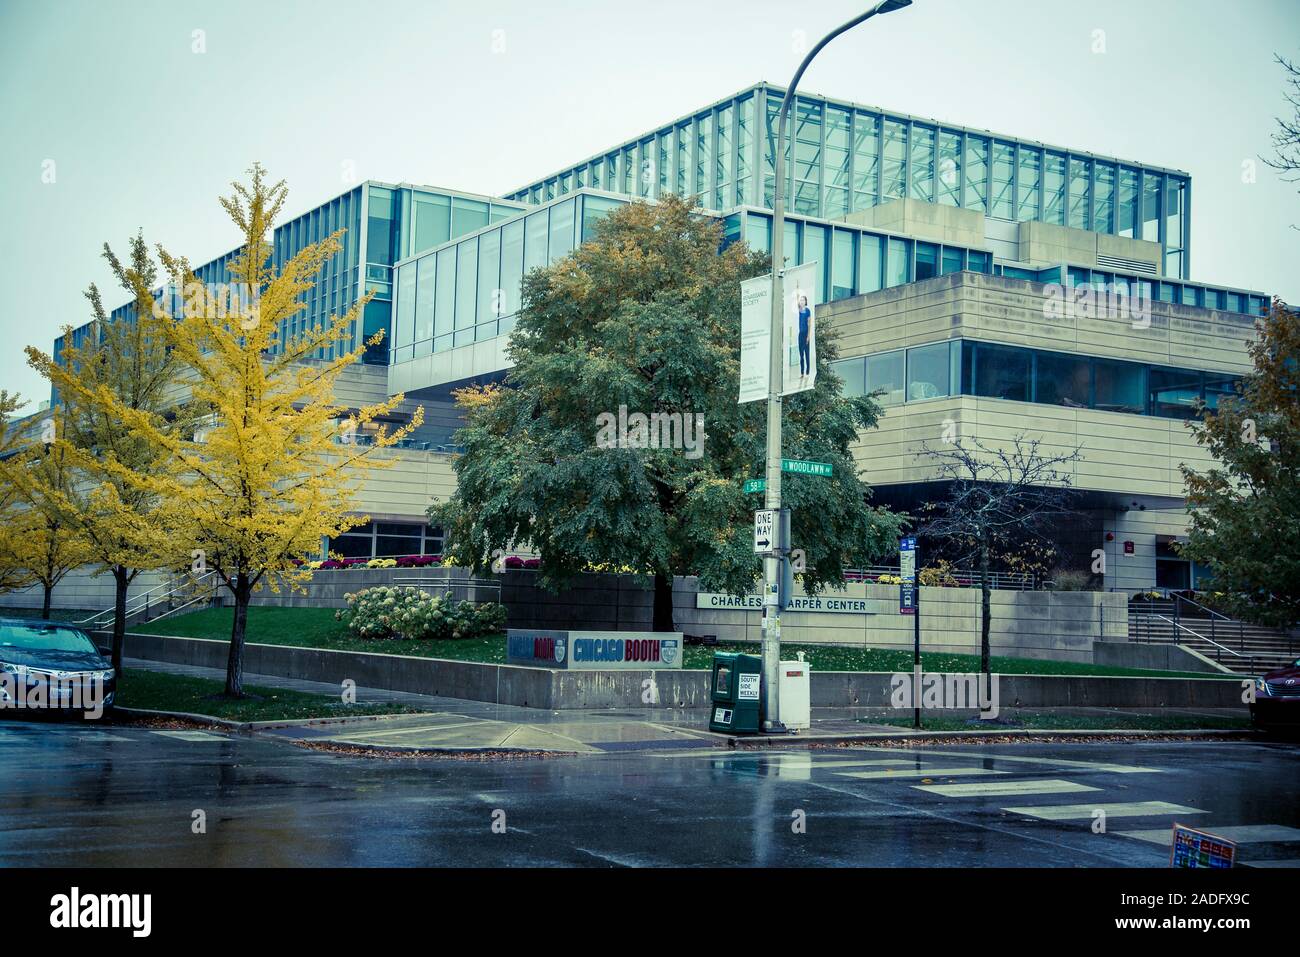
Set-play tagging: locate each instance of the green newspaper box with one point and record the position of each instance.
(735, 689)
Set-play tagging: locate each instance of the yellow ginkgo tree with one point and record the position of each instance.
(276, 466)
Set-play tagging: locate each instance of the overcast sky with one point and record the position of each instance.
(141, 131)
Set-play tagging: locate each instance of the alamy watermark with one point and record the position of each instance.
(939, 690)
(1100, 301)
(658, 430)
(24, 689)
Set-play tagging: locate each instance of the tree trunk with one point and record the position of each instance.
(122, 581)
(45, 605)
(235, 665)
(986, 611)
(663, 615)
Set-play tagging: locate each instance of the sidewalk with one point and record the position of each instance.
(451, 724)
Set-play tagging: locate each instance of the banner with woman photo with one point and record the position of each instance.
(800, 325)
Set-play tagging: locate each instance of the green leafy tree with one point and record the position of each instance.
(646, 318)
(15, 556)
(1245, 512)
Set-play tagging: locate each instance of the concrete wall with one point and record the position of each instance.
(1158, 657)
(564, 690)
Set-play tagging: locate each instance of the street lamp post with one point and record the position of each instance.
(772, 599)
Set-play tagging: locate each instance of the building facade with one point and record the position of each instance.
(950, 261)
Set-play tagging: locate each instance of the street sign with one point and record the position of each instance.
(908, 594)
(798, 467)
(764, 531)
(755, 485)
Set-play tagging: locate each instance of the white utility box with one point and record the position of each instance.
(794, 695)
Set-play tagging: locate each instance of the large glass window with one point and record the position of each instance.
(948, 174)
(1054, 189)
(952, 260)
(404, 314)
(814, 246)
(432, 221)
(1151, 207)
(683, 159)
(1119, 387)
(703, 156)
(807, 156)
(1063, 380)
(928, 372)
(1105, 205)
(853, 372)
(923, 163)
(977, 172)
(722, 178)
(927, 261)
(490, 306)
(1029, 173)
(1127, 210)
(1000, 372)
(512, 265)
(535, 232)
(467, 215)
(1175, 393)
(895, 160)
(869, 263)
(444, 319)
(1219, 386)
(466, 288)
(424, 301)
(1003, 181)
(837, 163)
(841, 265)
(381, 227)
(561, 237)
(885, 375)
(866, 159)
(899, 268)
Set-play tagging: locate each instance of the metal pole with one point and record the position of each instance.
(772, 599)
(916, 649)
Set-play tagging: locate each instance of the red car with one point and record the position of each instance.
(1277, 697)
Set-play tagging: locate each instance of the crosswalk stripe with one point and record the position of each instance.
(1240, 834)
(1064, 812)
(190, 735)
(1054, 762)
(915, 773)
(1002, 788)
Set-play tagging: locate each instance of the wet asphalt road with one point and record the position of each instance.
(76, 795)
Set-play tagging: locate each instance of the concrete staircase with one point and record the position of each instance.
(1238, 646)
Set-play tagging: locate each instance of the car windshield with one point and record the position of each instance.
(43, 637)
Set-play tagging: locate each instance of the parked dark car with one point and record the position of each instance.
(52, 666)
(1277, 697)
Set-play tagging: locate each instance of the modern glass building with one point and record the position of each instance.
(938, 246)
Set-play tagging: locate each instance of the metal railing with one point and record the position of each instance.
(161, 594)
(460, 589)
(965, 578)
(1214, 616)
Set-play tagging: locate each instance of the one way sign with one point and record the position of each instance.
(764, 530)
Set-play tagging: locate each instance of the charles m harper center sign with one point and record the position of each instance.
(594, 650)
(823, 604)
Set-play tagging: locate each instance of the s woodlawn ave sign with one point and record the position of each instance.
(819, 604)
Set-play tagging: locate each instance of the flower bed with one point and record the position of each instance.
(397, 613)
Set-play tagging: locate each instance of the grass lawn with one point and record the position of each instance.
(316, 628)
(155, 691)
(1048, 721)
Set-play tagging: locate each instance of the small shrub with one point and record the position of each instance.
(1064, 579)
(402, 612)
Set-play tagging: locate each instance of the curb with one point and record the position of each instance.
(336, 747)
(795, 741)
(248, 727)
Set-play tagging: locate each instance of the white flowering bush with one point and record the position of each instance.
(390, 612)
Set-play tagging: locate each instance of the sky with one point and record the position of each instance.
(120, 115)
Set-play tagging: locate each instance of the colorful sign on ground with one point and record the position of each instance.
(1193, 848)
(594, 650)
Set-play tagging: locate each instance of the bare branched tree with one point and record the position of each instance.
(1286, 141)
(999, 503)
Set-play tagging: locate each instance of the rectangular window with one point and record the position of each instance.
(1000, 372)
(722, 162)
(1127, 211)
(683, 159)
(927, 261)
(1054, 189)
(928, 371)
(1219, 386)
(977, 261)
(444, 317)
(1003, 181)
(1175, 393)
(489, 277)
(895, 160)
(744, 149)
(953, 260)
(923, 163)
(512, 265)
(1030, 161)
(869, 261)
(814, 246)
(466, 288)
(841, 265)
(1062, 380)
(561, 236)
(885, 375)
(1105, 205)
(836, 201)
(977, 172)
(1151, 207)
(948, 173)
(899, 268)
(536, 229)
(703, 156)
(758, 232)
(432, 221)
(853, 372)
(467, 215)
(1119, 387)
(424, 299)
(866, 159)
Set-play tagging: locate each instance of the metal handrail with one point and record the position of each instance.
(141, 600)
(999, 580)
(446, 581)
